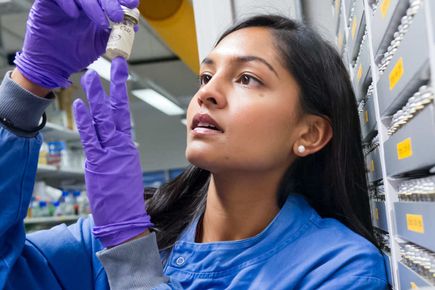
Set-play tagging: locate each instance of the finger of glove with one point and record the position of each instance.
(129, 3)
(98, 103)
(69, 7)
(113, 10)
(95, 12)
(119, 95)
(87, 132)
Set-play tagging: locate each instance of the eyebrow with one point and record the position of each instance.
(244, 59)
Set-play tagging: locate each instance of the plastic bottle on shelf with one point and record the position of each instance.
(76, 195)
(43, 209)
(57, 210)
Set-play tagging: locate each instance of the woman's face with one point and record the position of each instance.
(246, 112)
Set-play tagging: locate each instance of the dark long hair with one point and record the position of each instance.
(333, 180)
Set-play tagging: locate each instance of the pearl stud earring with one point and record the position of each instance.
(301, 148)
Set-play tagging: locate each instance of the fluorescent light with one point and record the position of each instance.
(158, 101)
(102, 67)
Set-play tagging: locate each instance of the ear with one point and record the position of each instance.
(316, 132)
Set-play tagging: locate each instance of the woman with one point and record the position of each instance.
(275, 197)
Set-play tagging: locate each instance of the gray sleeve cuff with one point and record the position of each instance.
(134, 265)
(21, 107)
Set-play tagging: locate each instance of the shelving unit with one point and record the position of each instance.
(383, 84)
(51, 220)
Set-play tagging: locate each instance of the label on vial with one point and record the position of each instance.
(376, 214)
(359, 74)
(414, 223)
(366, 116)
(372, 166)
(396, 73)
(404, 149)
(384, 7)
(353, 27)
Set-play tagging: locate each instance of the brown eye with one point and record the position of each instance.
(204, 79)
(247, 80)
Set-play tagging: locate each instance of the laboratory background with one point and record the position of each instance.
(388, 47)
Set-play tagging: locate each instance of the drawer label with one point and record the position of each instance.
(384, 7)
(359, 74)
(353, 27)
(414, 223)
(340, 40)
(366, 116)
(404, 149)
(396, 73)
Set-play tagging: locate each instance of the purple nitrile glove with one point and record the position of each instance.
(65, 36)
(113, 173)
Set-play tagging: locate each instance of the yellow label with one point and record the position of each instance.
(372, 166)
(396, 73)
(404, 149)
(359, 74)
(384, 7)
(376, 213)
(415, 223)
(366, 116)
(340, 40)
(353, 27)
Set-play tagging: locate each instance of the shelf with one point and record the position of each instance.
(374, 169)
(367, 120)
(54, 132)
(412, 146)
(51, 171)
(410, 279)
(408, 69)
(386, 19)
(388, 266)
(379, 215)
(51, 220)
(415, 222)
(356, 29)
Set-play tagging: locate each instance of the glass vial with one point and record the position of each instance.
(122, 36)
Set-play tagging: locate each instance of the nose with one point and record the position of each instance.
(211, 95)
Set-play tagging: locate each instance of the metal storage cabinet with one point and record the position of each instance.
(397, 56)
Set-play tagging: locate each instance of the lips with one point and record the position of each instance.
(206, 122)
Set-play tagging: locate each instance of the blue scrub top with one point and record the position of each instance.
(298, 250)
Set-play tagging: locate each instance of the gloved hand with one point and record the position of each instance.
(65, 36)
(113, 173)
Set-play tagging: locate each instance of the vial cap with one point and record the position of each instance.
(134, 13)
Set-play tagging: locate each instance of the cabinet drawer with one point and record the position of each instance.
(379, 215)
(361, 72)
(385, 21)
(410, 279)
(408, 69)
(367, 120)
(412, 146)
(374, 169)
(356, 29)
(415, 222)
